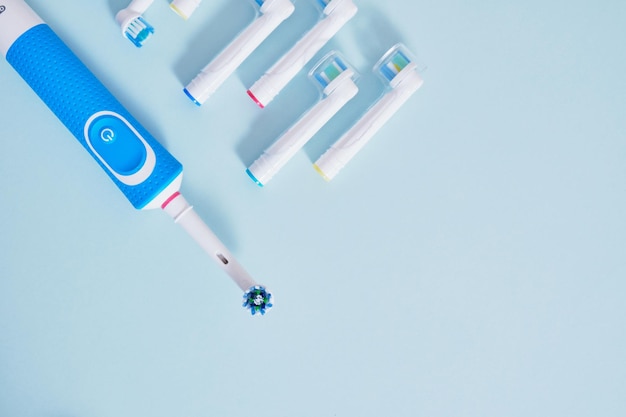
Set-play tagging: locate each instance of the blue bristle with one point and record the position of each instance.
(257, 299)
(320, 79)
(340, 63)
(260, 2)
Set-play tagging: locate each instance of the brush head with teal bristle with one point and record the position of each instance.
(330, 68)
(257, 299)
(327, 74)
(138, 31)
(398, 60)
(393, 65)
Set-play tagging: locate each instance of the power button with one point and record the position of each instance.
(107, 135)
(120, 147)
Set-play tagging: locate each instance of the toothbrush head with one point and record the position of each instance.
(331, 71)
(134, 26)
(257, 299)
(138, 31)
(394, 65)
(395, 62)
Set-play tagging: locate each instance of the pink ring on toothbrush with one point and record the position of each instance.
(169, 199)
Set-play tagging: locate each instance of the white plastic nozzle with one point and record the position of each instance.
(183, 214)
(185, 8)
(401, 73)
(273, 13)
(337, 80)
(336, 14)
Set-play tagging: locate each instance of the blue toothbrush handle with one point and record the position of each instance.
(133, 159)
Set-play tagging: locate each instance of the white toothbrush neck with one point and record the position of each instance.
(184, 215)
(314, 119)
(236, 52)
(314, 40)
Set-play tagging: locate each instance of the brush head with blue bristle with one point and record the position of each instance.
(257, 299)
(138, 31)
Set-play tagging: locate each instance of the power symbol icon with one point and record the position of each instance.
(107, 135)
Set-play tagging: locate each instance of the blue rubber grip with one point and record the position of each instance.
(75, 95)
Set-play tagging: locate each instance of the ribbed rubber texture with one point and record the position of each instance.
(74, 94)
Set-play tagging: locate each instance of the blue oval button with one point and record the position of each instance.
(117, 144)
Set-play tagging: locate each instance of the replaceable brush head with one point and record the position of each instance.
(395, 65)
(327, 73)
(139, 31)
(331, 71)
(134, 26)
(257, 299)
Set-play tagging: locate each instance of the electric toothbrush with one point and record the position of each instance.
(337, 81)
(273, 13)
(146, 173)
(398, 70)
(336, 14)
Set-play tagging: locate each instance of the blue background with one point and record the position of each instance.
(470, 261)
